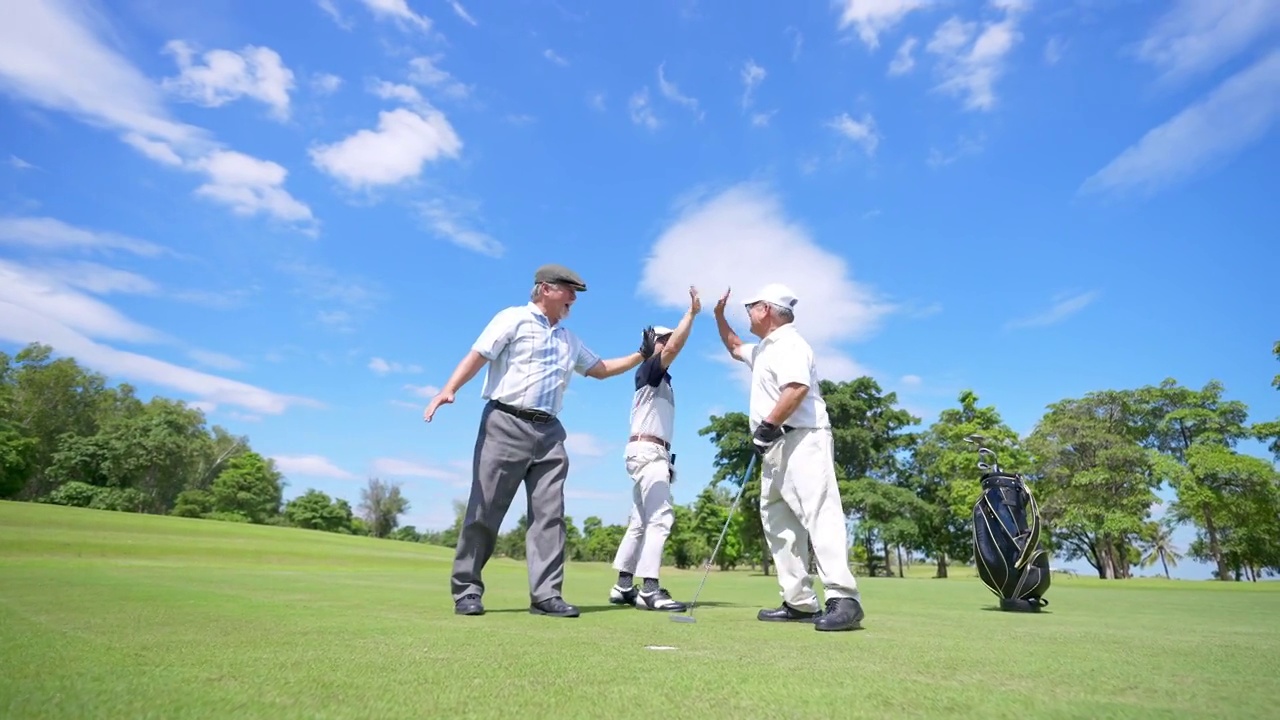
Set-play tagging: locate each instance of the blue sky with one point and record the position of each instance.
(300, 213)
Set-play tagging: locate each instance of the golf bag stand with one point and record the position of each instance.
(1006, 538)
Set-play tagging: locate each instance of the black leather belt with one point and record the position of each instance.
(651, 438)
(537, 416)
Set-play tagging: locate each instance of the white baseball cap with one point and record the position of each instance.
(660, 330)
(775, 293)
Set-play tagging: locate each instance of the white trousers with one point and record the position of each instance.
(799, 503)
(640, 552)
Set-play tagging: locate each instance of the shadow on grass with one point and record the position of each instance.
(587, 609)
(997, 608)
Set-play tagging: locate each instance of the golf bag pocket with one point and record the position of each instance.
(1006, 543)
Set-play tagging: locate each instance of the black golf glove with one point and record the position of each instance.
(647, 341)
(765, 436)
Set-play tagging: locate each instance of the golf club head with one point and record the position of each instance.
(681, 618)
(976, 439)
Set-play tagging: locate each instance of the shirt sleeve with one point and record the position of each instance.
(747, 353)
(585, 359)
(496, 334)
(793, 365)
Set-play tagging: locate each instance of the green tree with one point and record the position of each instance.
(1269, 432)
(315, 510)
(381, 505)
(1158, 546)
(249, 487)
(1094, 480)
(943, 473)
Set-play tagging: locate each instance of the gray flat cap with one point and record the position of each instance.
(559, 274)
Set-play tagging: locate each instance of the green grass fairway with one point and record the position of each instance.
(111, 615)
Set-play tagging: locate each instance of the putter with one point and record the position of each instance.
(746, 476)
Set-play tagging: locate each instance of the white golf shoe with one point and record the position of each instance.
(619, 595)
(658, 600)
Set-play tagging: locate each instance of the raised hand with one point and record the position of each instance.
(695, 302)
(647, 341)
(719, 309)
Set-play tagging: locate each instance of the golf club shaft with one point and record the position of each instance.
(745, 479)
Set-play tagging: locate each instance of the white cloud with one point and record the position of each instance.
(226, 75)
(47, 233)
(325, 83)
(215, 360)
(1206, 134)
(449, 220)
(35, 307)
(1054, 48)
(51, 56)
(903, 62)
(672, 92)
(863, 132)
(752, 76)
(554, 57)
(911, 380)
(641, 112)
(100, 279)
(1196, 36)
(399, 12)
(1064, 306)
(395, 467)
(970, 61)
(44, 293)
(311, 466)
(396, 151)
(426, 72)
(596, 100)
(585, 445)
(426, 391)
(382, 367)
(874, 17)
(18, 163)
(461, 12)
(965, 146)
(761, 119)
(716, 242)
(249, 186)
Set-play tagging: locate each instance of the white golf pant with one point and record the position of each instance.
(640, 552)
(799, 503)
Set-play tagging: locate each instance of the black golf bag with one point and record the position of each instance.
(1006, 543)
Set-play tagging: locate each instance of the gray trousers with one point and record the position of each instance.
(510, 451)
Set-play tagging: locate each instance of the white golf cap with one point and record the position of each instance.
(660, 330)
(775, 293)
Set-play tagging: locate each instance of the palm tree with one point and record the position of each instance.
(1158, 542)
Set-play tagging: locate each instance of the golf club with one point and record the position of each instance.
(745, 478)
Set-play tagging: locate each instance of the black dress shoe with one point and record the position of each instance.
(468, 605)
(786, 613)
(841, 614)
(554, 606)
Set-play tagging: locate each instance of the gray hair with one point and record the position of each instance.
(536, 292)
(783, 313)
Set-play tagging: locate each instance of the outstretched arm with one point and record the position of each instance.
(462, 374)
(727, 336)
(615, 366)
(681, 334)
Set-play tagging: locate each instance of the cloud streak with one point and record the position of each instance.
(1206, 134)
(1064, 306)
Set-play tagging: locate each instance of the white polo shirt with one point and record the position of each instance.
(530, 360)
(781, 358)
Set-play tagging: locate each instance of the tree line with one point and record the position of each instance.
(1095, 464)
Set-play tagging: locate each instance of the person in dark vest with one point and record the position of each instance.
(650, 463)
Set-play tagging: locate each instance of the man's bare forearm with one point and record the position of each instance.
(615, 366)
(727, 336)
(788, 400)
(466, 369)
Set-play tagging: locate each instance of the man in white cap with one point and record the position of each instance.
(650, 463)
(791, 434)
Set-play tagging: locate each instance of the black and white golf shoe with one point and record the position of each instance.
(623, 596)
(658, 600)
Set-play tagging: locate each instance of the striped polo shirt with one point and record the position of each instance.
(530, 360)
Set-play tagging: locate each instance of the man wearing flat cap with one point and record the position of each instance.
(531, 357)
(791, 434)
(650, 463)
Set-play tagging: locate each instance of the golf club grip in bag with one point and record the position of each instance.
(1006, 543)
